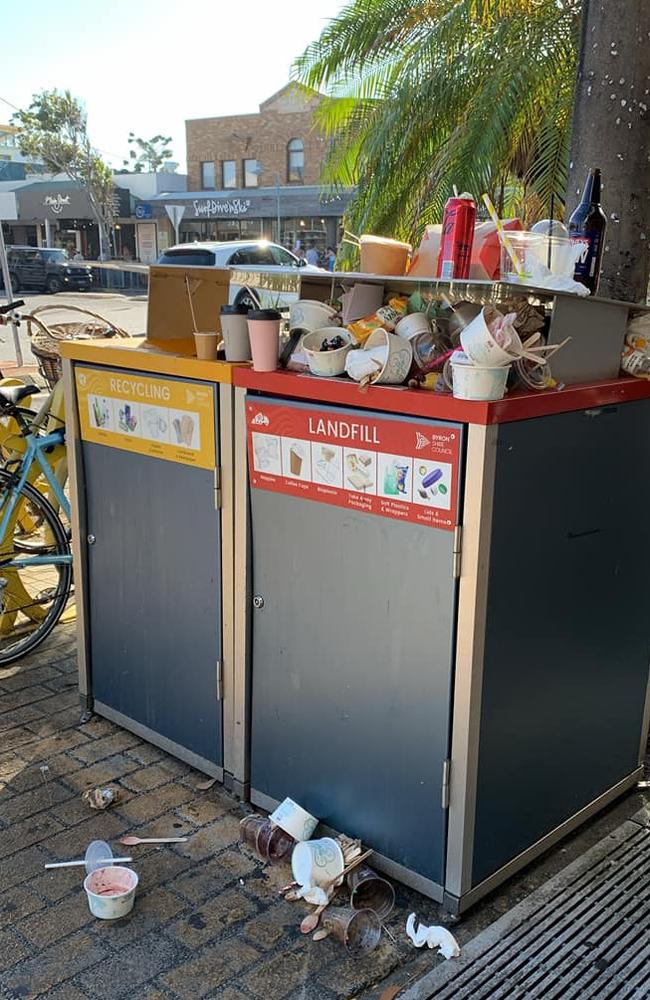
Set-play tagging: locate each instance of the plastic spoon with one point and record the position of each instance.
(132, 841)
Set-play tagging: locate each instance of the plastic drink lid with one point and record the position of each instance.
(98, 855)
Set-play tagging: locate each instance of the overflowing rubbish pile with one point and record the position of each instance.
(325, 868)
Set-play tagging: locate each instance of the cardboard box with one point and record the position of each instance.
(169, 318)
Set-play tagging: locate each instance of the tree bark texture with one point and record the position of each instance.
(611, 130)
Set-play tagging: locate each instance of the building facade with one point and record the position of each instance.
(257, 176)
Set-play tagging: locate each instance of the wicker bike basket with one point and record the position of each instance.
(45, 336)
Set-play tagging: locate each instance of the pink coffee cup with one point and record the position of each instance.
(264, 332)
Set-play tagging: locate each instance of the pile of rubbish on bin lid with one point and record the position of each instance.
(320, 868)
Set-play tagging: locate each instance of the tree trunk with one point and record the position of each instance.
(611, 130)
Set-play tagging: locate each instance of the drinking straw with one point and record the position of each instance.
(503, 238)
(189, 297)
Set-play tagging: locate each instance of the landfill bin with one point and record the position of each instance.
(436, 615)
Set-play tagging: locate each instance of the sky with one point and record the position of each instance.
(144, 66)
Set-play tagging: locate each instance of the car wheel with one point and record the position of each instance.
(53, 284)
(247, 300)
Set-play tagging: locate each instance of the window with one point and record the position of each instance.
(188, 258)
(207, 176)
(257, 256)
(282, 257)
(296, 161)
(251, 173)
(228, 174)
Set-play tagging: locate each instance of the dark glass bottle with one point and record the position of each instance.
(587, 226)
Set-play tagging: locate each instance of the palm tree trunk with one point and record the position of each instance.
(611, 130)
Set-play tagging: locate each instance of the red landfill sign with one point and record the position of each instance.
(394, 468)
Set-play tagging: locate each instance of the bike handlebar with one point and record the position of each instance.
(10, 306)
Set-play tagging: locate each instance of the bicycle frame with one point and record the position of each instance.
(35, 446)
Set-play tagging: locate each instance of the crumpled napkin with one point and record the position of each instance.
(434, 937)
(360, 364)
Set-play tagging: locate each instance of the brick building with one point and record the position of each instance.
(257, 176)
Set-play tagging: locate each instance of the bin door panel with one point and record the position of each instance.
(155, 595)
(352, 655)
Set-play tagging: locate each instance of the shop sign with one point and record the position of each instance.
(143, 211)
(407, 470)
(163, 418)
(213, 207)
(56, 202)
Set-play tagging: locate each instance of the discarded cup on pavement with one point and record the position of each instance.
(369, 891)
(317, 862)
(294, 820)
(111, 891)
(358, 930)
(269, 841)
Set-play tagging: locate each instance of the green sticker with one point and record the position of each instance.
(442, 488)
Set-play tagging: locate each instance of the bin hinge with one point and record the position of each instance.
(446, 771)
(219, 680)
(457, 551)
(217, 488)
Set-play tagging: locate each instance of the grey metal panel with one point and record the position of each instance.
(567, 641)
(155, 595)
(352, 656)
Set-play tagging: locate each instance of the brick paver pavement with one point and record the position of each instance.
(208, 920)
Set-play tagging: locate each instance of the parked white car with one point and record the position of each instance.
(250, 255)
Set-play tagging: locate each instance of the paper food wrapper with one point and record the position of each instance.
(425, 259)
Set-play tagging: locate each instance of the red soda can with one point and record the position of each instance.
(457, 238)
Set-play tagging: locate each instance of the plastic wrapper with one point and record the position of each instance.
(635, 359)
(386, 318)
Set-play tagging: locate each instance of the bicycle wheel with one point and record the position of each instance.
(33, 596)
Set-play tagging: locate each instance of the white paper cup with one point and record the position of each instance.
(479, 344)
(413, 325)
(206, 346)
(294, 820)
(479, 382)
(317, 862)
(310, 315)
(326, 362)
(111, 891)
(398, 362)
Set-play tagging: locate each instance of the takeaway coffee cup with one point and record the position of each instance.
(294, 820)
(234, 327)
(317, 862)
(206, 346)
(264, 333)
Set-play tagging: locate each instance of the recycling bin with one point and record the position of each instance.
(150, 451)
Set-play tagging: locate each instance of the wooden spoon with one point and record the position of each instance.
(132, 841)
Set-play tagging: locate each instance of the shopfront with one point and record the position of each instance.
(296, 218)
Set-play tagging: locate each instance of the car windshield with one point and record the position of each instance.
(55, 256)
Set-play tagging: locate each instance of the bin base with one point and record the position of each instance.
(175, 749)
(383, 864)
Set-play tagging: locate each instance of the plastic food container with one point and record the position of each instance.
(111, 891)
(326, 362)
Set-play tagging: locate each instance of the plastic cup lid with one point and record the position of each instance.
(98, 855)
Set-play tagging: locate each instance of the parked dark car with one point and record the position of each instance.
(47, 270)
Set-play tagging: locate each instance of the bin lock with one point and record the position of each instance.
(258, 602)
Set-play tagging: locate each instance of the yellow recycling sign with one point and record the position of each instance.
(164, 418)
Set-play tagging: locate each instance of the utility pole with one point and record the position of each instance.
(611, 130)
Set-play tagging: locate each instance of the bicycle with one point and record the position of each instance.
(35, 579)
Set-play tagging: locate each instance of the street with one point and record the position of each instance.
(128, 311)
